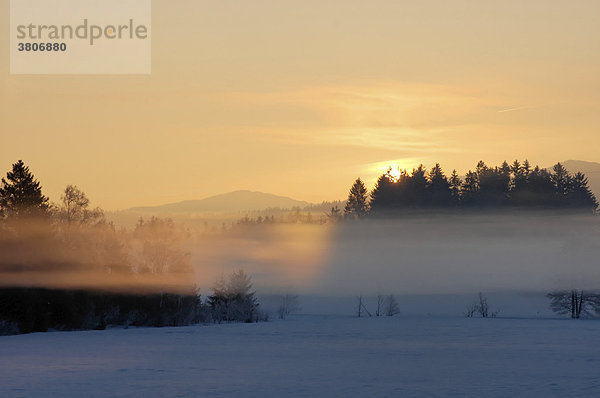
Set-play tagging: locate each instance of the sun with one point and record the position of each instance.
(392, 168)
(394, 173)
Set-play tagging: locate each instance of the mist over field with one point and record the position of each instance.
(425, 254)
(414, 255)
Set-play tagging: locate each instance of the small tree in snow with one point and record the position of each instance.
(574, 302)
(380, 301)
(233, 300)
(289, 304)
(483, 307)
(362, 308)
(391, 306)
(480, 307)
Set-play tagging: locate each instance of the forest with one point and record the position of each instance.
(64, 266)
(500, 188)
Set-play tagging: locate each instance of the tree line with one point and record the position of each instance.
(501, 187)
(64, 266)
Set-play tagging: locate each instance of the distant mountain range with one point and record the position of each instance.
(231, 202)
(591, 171)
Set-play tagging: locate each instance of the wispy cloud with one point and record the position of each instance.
(517, 108)
(384, 115)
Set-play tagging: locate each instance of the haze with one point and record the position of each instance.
(299, 99)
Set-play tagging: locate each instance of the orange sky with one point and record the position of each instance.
(301, 97)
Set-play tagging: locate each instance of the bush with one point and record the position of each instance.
(233, 300)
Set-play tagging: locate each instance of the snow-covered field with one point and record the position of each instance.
(312, 356)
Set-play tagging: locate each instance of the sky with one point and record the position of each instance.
(299, 98)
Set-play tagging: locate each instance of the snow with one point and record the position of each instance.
(312, 355)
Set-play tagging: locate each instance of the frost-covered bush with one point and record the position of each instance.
(233, 301)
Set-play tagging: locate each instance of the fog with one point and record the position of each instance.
(150, 258)
(443, 254)
(416, 255)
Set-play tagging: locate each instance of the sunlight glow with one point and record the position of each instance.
(394, 173)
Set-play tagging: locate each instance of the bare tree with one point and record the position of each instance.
(380, 300)
(575, 302)
(391, 306)
(289, 304)
(334, 215)
(480, 307)
(471, 310)
(74, 207)
(158, 248)
(361, 307)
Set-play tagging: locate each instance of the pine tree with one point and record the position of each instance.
(493, 184)
(334, 215)
(417, 188)
(455, 187)
(234, 300)
(389, 193)
(469, 192)
(562, 180)
(438, 188)
(357, 205)
(21, 194)
(580, 196)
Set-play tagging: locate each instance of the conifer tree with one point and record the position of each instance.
(561, 179)
(416, 194)
(439, 188)
(455, 187)
(357, 205)
(470, 189)
(580, 196)
(234, 300)
(21, 194)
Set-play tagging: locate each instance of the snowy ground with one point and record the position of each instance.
(311, 356)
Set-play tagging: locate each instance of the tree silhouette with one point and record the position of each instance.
(455, 184)
(516, 185)
(158, 248)
(21, 194)
(416, 189)
(561, 179)
(74, 208)
(575, 302)
(486, 186)
(438, 188)
(383, 197)
(579, 194)
(470, 189)
(334, 215)
(357, 205)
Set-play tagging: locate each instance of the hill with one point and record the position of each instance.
(225, 203)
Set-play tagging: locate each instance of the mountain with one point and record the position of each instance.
(231, 202)
(591, 171)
